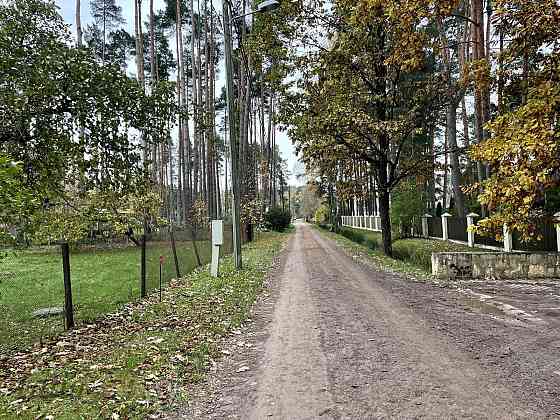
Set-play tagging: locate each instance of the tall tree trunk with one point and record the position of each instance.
(140, 65)
(104, 30)
(153, 44)
(201, 112)
(453, 96)
(196, 111)
(78, 24)
(486, 94)
(432, 181)
(466, 138)
(185, 135)
(478, 52)
(445, 169)
(384, 200)
(180, 100)
(212, 103)
(454, 158)
(210, 184)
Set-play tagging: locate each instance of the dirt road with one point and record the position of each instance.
(333, 338)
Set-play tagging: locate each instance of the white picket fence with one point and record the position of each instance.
(372, 223)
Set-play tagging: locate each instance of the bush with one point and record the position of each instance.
(418, 252)
(278, 219)
(322, 214)
(372, 244)
(353, 235)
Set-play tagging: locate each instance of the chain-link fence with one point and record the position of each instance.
(103, 276)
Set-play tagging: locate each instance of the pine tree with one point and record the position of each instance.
(108, 17)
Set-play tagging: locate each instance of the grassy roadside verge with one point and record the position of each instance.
(375, 258)
(131, 364)
(416, 251)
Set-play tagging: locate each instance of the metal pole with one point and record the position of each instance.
(160, 274)
(174, 249)
(68, 307)
(233, 140)
(143, 268)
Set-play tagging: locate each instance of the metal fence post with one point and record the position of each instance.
(470, 232)
(174, 249)
(143, 268)
(68, 307)
(444, 226)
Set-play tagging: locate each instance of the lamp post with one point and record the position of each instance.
(263, 7)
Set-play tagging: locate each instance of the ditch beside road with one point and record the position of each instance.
(335, 338)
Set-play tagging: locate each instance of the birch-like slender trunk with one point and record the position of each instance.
(454, 94)
(195, 103)
(180, 101)
(199, 135)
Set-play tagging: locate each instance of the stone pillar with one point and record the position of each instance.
(444, 228)
(425, 231)
(508, 240)
(557, 217)
(470, 233)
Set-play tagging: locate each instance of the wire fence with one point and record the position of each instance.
(103, 276)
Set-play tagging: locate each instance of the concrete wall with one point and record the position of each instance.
(498, 265)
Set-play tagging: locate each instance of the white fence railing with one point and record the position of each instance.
(372, 223)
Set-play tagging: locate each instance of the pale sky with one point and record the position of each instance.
(67, 10)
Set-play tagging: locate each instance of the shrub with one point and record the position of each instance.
(372, 244)
(322, 214)
(353, 235)
(417, 252)
(277, 219)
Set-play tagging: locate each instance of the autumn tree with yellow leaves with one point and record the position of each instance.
(523, 151)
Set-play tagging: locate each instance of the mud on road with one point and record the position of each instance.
(332, 338)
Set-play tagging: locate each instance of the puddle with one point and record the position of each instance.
(480, 307)
(487, 304)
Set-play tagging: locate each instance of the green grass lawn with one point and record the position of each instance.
(102, 280)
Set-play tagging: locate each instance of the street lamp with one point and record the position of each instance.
(263, 7)
(268, 6)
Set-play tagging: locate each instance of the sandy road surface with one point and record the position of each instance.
(332, 338)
